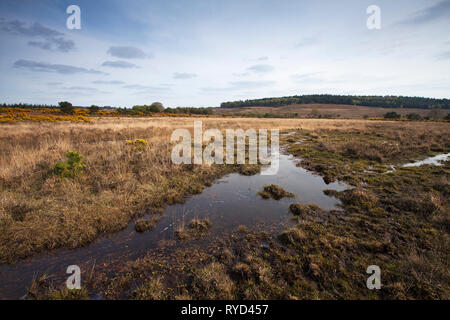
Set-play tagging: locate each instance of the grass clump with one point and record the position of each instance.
(303, 209)
(249, 169)
(143, 225)
(195, 230)
(19, 212)
(200, 225)
(69, 294)
(42, 288)
(292, 236)
(152, 290)
(359, 198)
(72, 167)
(275, 192)
(361, 150)
(212, 282)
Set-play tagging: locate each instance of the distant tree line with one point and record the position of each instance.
(190, 110)
(269, 115)
(413, 116)
(369, 101)
(158, 107)
(155, 107)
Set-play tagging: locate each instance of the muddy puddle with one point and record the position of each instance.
(437, 160)
(230, 202)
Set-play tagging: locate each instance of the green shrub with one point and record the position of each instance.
(392, 115)
(154, 107)
(414, 116)
(94, 109)
(72, 167)
(66, 107)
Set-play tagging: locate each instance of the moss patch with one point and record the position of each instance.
(275, 192)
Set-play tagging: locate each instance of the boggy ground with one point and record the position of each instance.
(42, 209)
(397, 220)
(52, 199)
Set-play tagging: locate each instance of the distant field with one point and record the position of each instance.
(334, 110)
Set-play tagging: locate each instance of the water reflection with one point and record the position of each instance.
(436, 160)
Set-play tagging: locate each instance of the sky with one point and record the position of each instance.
(203, 52)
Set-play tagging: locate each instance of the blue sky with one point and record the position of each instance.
(202, 53)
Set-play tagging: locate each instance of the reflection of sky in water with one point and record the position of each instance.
(228, 203)
(436, 160)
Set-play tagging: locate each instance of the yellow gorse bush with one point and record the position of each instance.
(45, 114)
(8, 115)
(138, 144)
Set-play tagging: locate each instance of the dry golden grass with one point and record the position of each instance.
(26, 144)
(39, 211)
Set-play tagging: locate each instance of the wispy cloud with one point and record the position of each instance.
(108, 82)
(51, 39)
(35, 30)
(80, 88)
(257, 59)
(184, 75)
(40, 44)
(128, 53)
(119, 64)
(47, 67)
(260, 68)
(256, 69)
(61, 44)
(437, 11)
